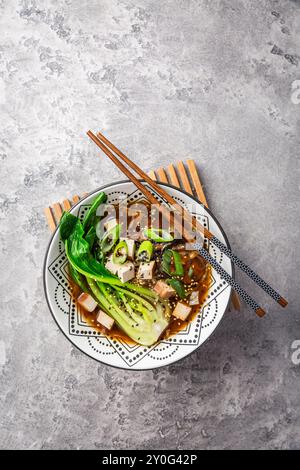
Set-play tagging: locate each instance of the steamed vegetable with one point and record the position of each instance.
(168, 257)
(166, 261)
(89, 219)
(158, 235)
(120, 253)
(99, 229)
(178, 271)
(145, 251)
(78, 278)
(67, 225)
(91, 236)
(178, 287)
(130, 247)
(113, 273)
(136, 309)
(110, 238)
(141, 320)
(80, 257)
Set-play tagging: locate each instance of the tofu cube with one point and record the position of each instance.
(126, 271)
(146, 270)
(164, 290)
(111, 266)
(87, 302)
(110, 224)
(130, 246)
(194, 298)
(105, 320)
(181, 311)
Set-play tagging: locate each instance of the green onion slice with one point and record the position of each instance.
(167, 257)
(158, 235)
(110, 238)
(120, 252)
(179, 271)
(145, 251)
(191, 271)
(178, 287)
(166, 261)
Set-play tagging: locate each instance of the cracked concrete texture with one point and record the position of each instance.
(165, 81)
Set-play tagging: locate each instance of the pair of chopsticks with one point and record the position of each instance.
(108, 148)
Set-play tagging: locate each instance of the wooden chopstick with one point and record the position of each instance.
(163, 209)
(203, 252)
(255, 277)
(100, 139)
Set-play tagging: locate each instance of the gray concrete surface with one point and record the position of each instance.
(165, 80)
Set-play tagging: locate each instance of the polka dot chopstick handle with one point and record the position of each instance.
(243, 294)
(255, 277)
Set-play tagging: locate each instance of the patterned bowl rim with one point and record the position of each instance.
(101, 188)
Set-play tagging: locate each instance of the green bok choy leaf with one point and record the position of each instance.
(136, 309)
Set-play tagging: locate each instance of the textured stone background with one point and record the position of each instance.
(165, 80)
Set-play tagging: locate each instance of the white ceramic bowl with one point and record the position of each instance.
(119, 353)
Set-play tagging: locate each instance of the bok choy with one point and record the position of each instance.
(137, 310)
